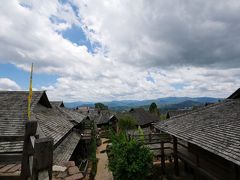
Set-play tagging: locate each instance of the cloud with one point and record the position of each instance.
(166, 33)
(8, 84)
(145, 49)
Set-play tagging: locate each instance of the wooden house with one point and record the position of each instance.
(143, 118)
(207, 140)
(53, 121)
(106, 118)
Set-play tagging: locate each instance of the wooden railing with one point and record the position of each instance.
(156, 138)
(37, 156)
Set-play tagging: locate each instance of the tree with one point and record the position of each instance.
(153, 108)
(101, 106)
(126, 122)
(168, 115)
(129, 159)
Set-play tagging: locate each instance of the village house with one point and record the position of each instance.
(143, 118)
(107, 119)
(55, 125)
(207, 141)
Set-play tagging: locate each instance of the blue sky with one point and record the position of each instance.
(120, 49)
(21, 76)
(74, 34)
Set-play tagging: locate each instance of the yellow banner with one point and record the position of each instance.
(30, 94)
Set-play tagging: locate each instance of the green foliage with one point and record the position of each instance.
(129, 159)
(126, 122)
(101, 106)
(153, 108)
(141, 133)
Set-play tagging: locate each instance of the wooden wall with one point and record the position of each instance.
(208, 163)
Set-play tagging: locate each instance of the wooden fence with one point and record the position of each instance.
(159, 139)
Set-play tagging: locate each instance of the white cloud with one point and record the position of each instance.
(195, 44)
(8, 84)
(166, 33)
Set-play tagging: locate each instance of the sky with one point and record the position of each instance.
(85, 50)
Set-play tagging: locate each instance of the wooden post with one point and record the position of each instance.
(150, 137)
(43, 158)
(176, 168)
(30, 130)
(162, 158)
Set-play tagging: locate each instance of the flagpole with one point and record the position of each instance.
(30, 94)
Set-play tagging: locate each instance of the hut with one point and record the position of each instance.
(143, 118)
(106, 119)
(207, 140)
(53, 121)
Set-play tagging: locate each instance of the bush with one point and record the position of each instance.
(129, 159)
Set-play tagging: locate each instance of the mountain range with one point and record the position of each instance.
(163, 103)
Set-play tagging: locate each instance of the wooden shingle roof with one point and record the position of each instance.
(104, 117)
(215, 128)
(235, 95)
(57, 103)
(13, 111)
(143, 117)
(73, 116)
(64, 151)
(52, 122)
(13, 115)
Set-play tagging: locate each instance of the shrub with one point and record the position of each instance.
(129, 159)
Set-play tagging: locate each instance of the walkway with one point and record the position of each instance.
(102, 170)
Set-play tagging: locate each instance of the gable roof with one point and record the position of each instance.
(235, 95)
(143, 117)
(52, 121)
(215, 128)
(13, 110)
(104, 117)
(73, 115)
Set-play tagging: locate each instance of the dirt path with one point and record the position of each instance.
(102, 170)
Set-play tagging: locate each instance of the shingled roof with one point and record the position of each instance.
(235, 95)
(143, 117)
(13, 115)
(57, 103)
(104, 117)
(53, 121)
(215, 128)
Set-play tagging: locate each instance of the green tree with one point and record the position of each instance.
(101, 106)
(129, 159)
(154, 109)
(168, 115)
(126, 122)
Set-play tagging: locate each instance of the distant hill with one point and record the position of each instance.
(163, 103)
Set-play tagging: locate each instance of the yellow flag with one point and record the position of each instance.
(30, 94)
